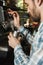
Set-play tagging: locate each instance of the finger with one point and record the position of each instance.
(12, 12)
(10, 34)
(15, 14)
(9, 43)
(15, 17)
(9, 37)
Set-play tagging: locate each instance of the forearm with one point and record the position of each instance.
(20, 57)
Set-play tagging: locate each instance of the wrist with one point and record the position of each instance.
(17, 47)
(17, 44)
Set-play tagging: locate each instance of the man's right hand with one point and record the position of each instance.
(13, 41)
(16, 18)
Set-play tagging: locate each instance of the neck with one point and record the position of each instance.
(41, 14)
(42, 17)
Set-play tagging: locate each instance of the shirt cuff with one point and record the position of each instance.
(18, 47)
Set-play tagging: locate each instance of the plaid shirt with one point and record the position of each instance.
(36, 55)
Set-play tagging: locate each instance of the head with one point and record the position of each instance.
(34, 8)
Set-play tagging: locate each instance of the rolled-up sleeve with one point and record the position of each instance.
(22, 59)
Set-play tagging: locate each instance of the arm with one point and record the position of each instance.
(14, 43)
(22, 59)
(36, 58)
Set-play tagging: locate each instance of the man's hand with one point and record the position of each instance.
(16, 18)
(13, 42)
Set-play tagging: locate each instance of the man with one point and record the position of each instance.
(35, 8)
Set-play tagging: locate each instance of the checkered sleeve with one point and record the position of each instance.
(34, 60)
(22, 59)
(37, 57)
(40, 45)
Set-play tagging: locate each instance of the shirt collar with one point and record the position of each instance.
(40, 26)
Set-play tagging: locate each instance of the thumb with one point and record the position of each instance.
(10, 34)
